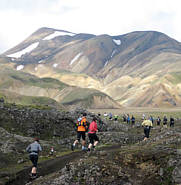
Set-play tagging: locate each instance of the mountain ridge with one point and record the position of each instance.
(104, 59)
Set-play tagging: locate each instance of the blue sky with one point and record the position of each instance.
(20, 18)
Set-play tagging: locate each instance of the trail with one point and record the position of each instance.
(45, 168)
(52, 165)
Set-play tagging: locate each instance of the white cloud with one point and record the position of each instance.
(114, 17)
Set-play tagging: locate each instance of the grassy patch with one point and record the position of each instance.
(12, 76)
(81, 94)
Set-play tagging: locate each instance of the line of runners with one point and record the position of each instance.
(131, 119)
(82, 127)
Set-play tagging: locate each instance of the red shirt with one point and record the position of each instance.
(93, 127)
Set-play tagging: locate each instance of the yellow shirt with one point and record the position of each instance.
(147, 123)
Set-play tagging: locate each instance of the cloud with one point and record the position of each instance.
(21, 18)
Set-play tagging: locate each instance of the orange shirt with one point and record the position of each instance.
(82, 127)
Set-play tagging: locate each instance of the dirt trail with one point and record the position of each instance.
(45, 168)
(51, 166)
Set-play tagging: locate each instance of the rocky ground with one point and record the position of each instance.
(153, 162)
(122, 156)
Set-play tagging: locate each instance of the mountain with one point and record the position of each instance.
(136, 69)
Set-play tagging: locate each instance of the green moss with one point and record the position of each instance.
(167, 180)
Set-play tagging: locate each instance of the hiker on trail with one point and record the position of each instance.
(151, 119)
(124, 118)
(165, 121)
(147, 124)
(128, 119)
(81, 130)
(172, 121)
(133, 120)
(115, 117)
(158, 121)
(110, 116)
(105, 114)
(143, 117)
(92, 134)
(33, 149)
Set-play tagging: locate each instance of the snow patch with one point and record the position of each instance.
(75, 58)
(55, 65)
(114, 51)
(20, 67)
(26, 50)
(106, 63)
(56, 34)
(40, 61)
(117, 42)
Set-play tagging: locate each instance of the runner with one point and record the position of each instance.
(81, 129)
(92, 134)
(115, 117)
(158, 121)
(147, 124)
(133, 120)
(124, 117)
(33, 150)
(165, 121)
(110, 116)
(172, 121)
(151, 119)
(128, 119)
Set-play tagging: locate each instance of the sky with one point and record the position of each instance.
(20, 18)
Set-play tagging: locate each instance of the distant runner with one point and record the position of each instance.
(172, 121)
(165, 121)
(158, 121)
(81, 129)
(124, 118)
(133, 120)
(128, 119)
(151, 119)
(110, 116)
(33, 150)
(147, 124)
(115, 117)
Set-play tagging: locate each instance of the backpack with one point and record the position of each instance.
(83, 122)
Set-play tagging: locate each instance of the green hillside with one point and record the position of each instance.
(26, 89)
(81, 94)
(9, 76)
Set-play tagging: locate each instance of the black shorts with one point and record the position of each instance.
(34, 160)
(80, 134)
(147, 131)
(93, 137)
